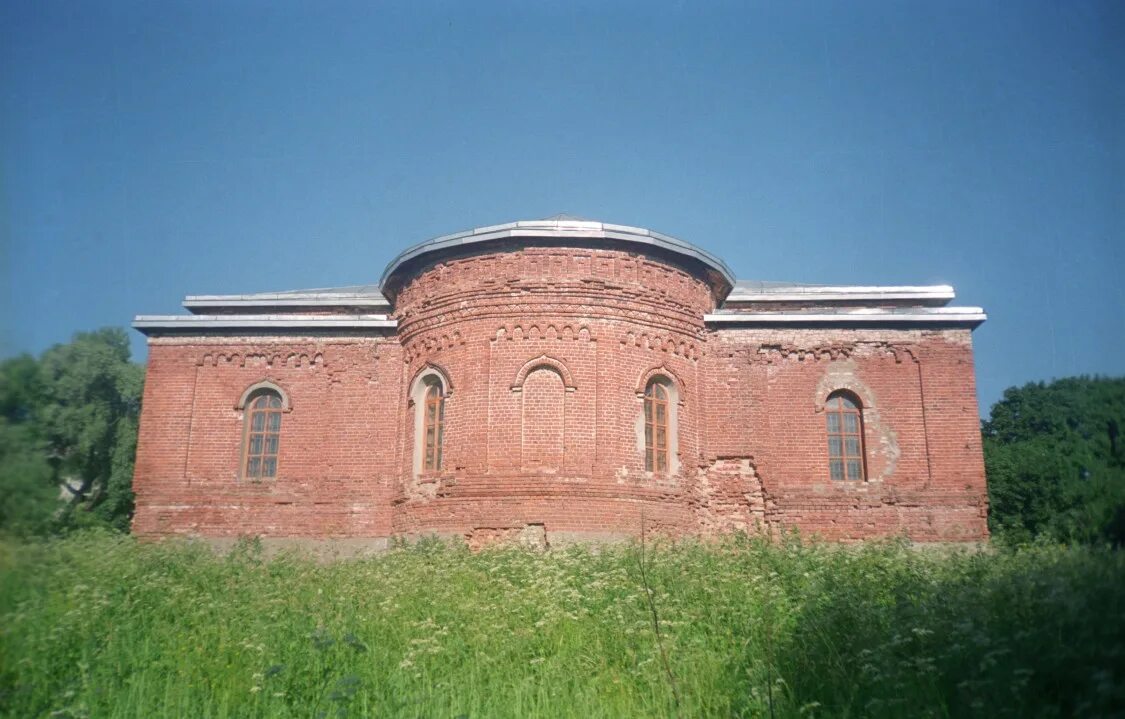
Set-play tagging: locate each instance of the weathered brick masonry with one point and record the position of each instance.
(541, 339)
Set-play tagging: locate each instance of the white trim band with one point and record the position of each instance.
(287, 301)
(971, 316)
(148, 323)
(941, 293)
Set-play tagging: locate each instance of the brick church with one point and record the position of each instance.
(561, 379)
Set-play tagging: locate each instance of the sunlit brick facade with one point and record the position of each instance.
(562, 379)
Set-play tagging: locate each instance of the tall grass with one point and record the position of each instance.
(103, 626)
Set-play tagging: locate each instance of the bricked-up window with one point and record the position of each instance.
(432, 420)
(845, 437)
(263, 428)
(656, 427)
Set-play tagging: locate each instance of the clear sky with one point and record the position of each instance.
(150, 150)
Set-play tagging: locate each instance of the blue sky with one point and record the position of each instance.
(152, 150)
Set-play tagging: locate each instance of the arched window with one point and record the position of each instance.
(429, 391)
(262, 430)
(846, 456)
(657, 420)
(433, 417)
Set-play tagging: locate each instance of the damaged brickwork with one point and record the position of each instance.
(727, 496)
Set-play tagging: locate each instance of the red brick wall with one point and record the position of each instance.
(924, 464)
(546, 351)
(339, 440)
(544, 348)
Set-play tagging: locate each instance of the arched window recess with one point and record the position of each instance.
(544, 361)
(657, 434)
(659, 424)
(428, 393)
(257, 387)
(261, 433)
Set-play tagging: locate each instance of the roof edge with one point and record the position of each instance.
(971, 317)
(289, 301)
(158, 324)
(354, 297)
(747, 287)
(558, 230)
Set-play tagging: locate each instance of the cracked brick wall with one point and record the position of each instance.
(925, 473)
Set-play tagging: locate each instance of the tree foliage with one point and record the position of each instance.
(1056, 462)
(68, 433)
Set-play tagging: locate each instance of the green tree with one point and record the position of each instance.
(1055, 463)
(28, 500)
(68, 432)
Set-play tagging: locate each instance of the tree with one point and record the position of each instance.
(68, 431)
(27, 499)
(1055, 463)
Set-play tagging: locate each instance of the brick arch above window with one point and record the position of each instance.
(432, 371)
(544, 362)
(658, 372)
(268, 386)
(831, 385)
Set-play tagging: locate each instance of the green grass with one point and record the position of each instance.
(104, 626)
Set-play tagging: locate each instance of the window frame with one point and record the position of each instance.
(270, 430)
(658, 400)
(433, 427)
(838, 408)
(427, 377)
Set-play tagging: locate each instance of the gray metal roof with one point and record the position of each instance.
(560, 227)
(162, 324)
(366, 296)
(952, 316)
(328, 292)
(757, 291)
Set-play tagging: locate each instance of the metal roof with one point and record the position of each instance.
(161, 324)
(954, 316)
(369, 296)
(350, 296)
(560, 227)
(926, 302)
(754, 291)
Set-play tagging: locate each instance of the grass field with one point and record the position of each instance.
(103, 626)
